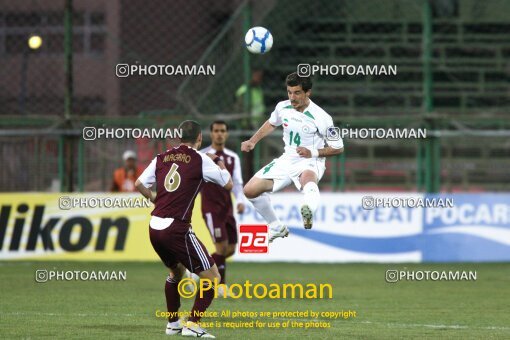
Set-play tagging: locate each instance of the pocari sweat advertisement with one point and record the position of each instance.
(402, 228)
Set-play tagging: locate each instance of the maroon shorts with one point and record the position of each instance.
(178, 243)
(221, 227)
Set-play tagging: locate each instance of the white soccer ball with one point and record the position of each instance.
(258, 40)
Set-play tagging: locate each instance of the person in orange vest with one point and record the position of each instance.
(124, 178)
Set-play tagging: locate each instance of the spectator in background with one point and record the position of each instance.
(258, 108)
(124, 178)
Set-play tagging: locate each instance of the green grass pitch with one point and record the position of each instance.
(126, 309)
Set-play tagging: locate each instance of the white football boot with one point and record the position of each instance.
(194, 330)
(278, 231)
(173, 328)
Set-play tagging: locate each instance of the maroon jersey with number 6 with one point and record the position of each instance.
(179, 173)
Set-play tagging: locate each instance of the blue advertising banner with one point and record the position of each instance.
(384, 227)
(476, 229)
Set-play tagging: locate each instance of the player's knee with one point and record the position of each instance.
(307, 177)
(231, 250)
(211, 274)
(221, 248)
(177, 272)
(249, 192)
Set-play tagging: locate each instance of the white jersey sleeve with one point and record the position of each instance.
(276, 119)
(330, 133)
(148, 176)
(237, 178)
(212, 173)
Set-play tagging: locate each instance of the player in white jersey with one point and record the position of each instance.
(309, 137)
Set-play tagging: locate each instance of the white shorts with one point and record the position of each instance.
(285, 170)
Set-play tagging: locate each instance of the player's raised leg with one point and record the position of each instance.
(311, 197)
(256, 192)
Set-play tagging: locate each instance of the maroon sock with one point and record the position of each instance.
(221, 264)
(173, 299)
(201, 304)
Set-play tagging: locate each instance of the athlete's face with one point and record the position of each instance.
(219, 134)
(298, 98)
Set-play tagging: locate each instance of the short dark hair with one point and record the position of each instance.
(219, 122)
(294, 79)
(190, 131)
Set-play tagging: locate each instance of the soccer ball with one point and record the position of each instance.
(258, 40)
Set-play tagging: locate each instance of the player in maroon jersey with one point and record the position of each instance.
(217, 206)
(179, 173)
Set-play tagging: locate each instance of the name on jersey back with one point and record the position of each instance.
(180, 157)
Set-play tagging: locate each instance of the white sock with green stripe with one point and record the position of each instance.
(263, 206)
(311, 195)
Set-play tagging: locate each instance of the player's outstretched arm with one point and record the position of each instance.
(328, 151)
(264, 130)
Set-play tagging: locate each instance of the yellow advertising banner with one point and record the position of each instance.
(91, 226)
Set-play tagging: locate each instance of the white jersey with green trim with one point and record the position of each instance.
(307, 129)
